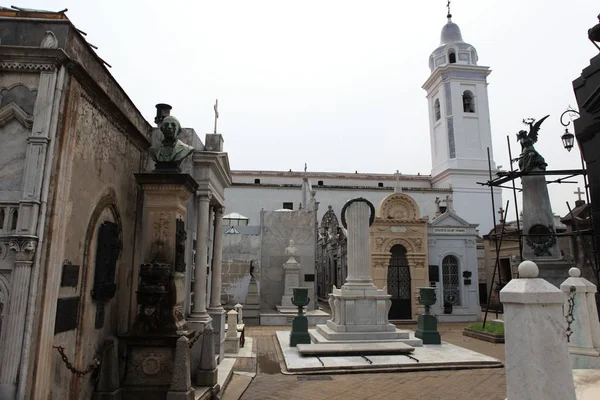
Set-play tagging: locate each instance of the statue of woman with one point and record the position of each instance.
(171, 150)
(530, 159)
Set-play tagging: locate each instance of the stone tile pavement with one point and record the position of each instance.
(270, 384)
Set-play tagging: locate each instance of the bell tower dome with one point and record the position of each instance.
(459, 121)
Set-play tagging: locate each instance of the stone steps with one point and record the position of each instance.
(350, 349)
(406, 337)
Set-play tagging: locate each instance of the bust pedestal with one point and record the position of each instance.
(291, 270)
(160, 321)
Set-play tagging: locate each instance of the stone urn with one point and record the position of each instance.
(300, 298)
(427, 297)
(427, 323)
(299, 333)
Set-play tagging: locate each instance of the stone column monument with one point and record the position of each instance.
(359, 309)
(252, 305)
(160, 321)
(539, 232)
(292, 269)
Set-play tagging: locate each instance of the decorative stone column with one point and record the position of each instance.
(215, 310)
(580, 309)
(232, 339)
(199, 299)
(215, 298)
(359, 309)
(14, 324)
(538, 365)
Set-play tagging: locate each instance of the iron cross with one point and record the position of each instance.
(579, 192)
(216, 108)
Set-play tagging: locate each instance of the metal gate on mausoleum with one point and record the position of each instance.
(398, 284)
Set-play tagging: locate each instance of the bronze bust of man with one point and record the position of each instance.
(171, 151)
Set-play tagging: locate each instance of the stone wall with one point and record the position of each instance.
(96, 184)
(278, 227)
(238, 251)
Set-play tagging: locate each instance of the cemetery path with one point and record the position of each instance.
(474, 384)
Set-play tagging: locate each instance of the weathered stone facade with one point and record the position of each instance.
(73, 152)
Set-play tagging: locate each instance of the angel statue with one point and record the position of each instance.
(530, 159)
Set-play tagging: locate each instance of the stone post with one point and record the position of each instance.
(206, 374)
(537, 355)
(199, 307)
(108, 382)
(232, 339)
(215, 310)
(359, 263)
(181, 384)
(14, 325)
(232, 324)
(584, 341)
(238, 308)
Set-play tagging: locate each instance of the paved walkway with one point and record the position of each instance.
(270, 383)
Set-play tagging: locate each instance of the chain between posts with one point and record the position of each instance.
(198, 336)
(93, 365)
(569, 316)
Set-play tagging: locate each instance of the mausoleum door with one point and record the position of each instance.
(398, 284)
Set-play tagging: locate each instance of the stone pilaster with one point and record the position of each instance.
(215, 298)
(14, 325)
(199, 299)
(216, 311)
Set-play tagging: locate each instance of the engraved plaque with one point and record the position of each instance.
(70, 275)
(309, 277)
(67, 312)
(434, 273)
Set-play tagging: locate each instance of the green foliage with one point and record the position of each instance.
(490, 327)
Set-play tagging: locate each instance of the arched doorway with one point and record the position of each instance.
(451, 280)
(398, 284)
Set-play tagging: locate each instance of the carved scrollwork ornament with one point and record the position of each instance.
(24, 249)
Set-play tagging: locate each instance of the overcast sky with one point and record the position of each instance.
(337, 84)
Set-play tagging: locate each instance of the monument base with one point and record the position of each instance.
(232, 344)
(206, 378)
(149, 366)
(189, 395)
(299, 333)
(359, 313)
(427, 330)
(554, 270)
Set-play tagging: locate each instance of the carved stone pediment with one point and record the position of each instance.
(12, 111)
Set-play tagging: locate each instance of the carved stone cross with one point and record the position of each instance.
(216, 108)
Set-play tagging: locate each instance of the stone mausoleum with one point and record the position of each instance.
(72, 216)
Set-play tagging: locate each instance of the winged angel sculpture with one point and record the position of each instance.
(530, 159)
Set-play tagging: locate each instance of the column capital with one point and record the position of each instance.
(24, 248)
(219, 210)
(203, 195)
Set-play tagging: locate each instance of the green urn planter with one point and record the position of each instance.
(427, 323)
(299, 334)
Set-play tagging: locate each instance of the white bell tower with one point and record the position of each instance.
(460, 132)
